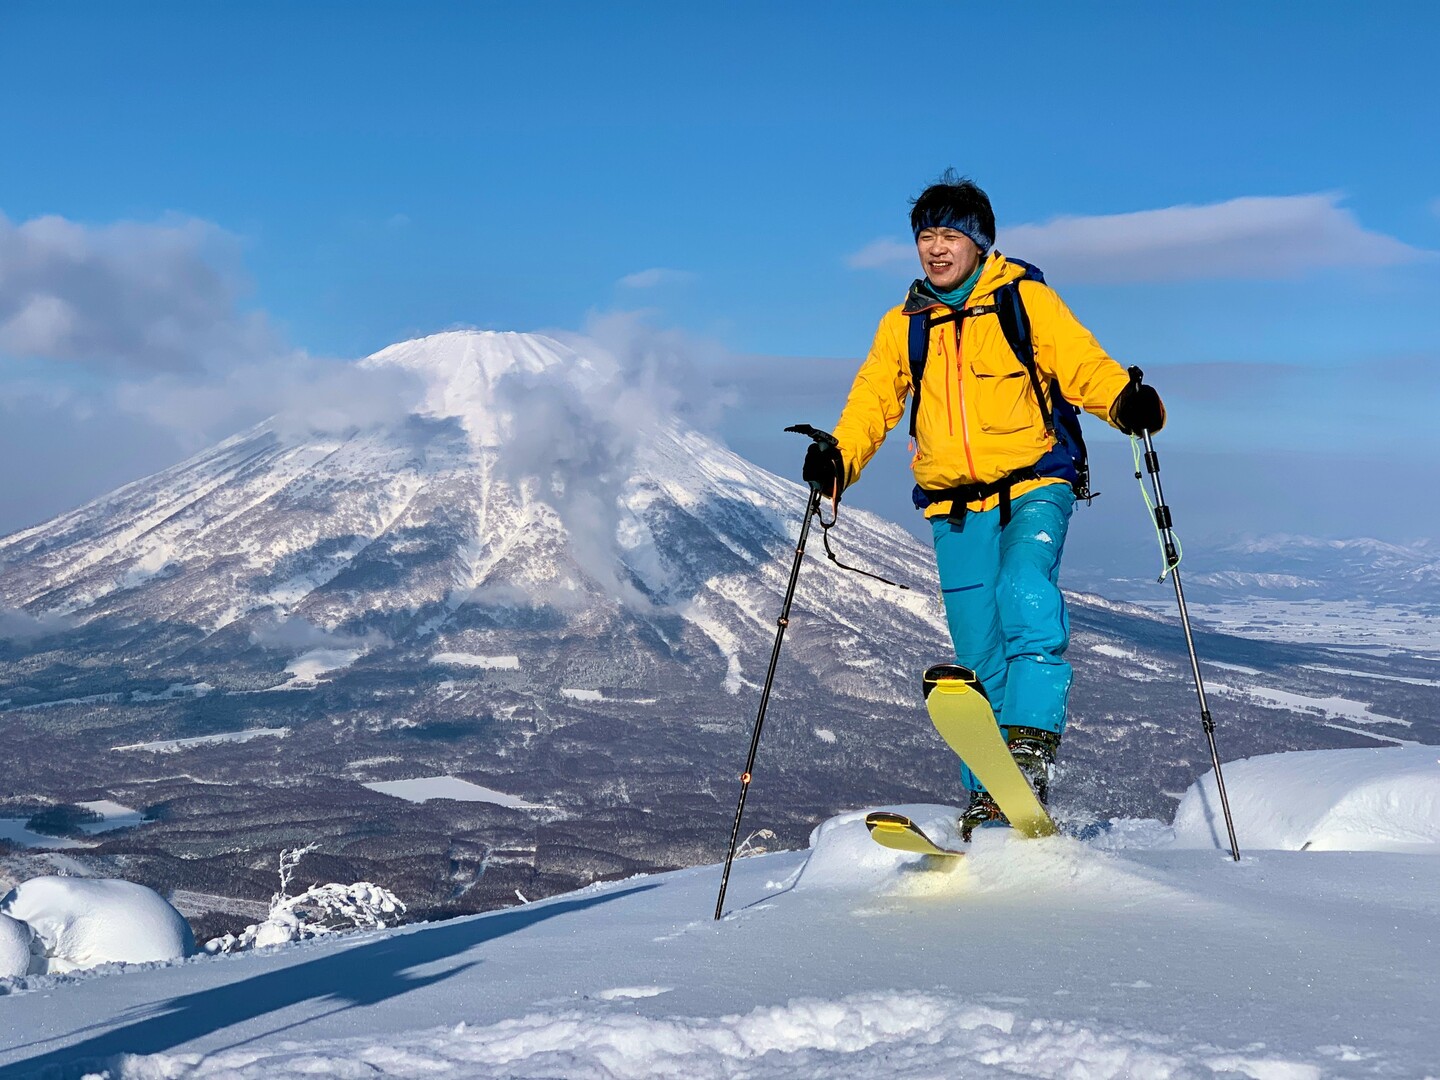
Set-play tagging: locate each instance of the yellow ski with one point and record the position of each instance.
(961, 714)
(900, 833)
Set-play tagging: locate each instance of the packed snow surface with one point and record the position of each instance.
(84, 922)
(1128, 956)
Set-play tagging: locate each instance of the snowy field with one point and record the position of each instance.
(14, 830)
(1363, 626)
(112, 816)
(1144, 952)
(423, 788)
(170, 746)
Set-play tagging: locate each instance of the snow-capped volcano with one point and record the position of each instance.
(528, 476)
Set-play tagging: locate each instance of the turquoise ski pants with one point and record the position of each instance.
(1003, 603)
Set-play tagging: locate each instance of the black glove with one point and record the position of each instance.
(825, 469)
(1137, 409)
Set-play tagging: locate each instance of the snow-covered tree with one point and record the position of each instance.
(320, 909)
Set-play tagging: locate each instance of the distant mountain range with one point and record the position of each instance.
(1294, 567)
(539, 581)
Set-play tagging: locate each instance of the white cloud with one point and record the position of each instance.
(17, 624)
(306, 395)
(879, 254)
(294, 634)
(160, 296)
(1251, 238)
(655, 276)
(638, 377)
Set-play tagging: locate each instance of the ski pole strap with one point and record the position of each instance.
(962, 494)
(825, 528)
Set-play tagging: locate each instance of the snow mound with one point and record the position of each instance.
(83, 922)
(842, 855)
(1380, 799)
(15, 938)
(997, 861)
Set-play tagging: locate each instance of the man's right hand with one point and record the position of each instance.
(825, 469)
(1138, 409)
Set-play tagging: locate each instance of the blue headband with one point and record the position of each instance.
(968, 224)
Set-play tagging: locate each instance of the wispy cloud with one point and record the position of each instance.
(305, 395)
(655, 276)
(294, 634)
(161, 296)
(1251, 238)
(153, 314)
(1254, 238)
(17, 624)
(880, 254)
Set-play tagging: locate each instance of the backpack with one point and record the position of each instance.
(1068, 457)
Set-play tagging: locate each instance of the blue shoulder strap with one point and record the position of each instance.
(1016, 325)
(919, 348)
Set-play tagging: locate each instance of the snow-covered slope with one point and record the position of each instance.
(1125, 957)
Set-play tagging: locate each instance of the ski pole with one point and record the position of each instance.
(812, 509)
(1164, 524)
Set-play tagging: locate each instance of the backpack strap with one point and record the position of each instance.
(919, 348)
(1016, 326)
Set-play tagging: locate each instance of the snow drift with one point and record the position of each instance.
(1381, 799)
(83, 922)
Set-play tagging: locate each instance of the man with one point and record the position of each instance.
(993, 479)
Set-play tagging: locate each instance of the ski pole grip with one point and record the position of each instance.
(1136, 376)
(814, 433)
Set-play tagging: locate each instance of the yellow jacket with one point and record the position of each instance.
(978, 418)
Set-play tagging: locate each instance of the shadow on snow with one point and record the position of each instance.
(357, 976)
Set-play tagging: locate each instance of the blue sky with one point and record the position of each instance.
(1242, 198)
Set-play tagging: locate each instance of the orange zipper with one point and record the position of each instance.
(949, 417)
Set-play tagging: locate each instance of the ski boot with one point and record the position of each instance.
(1034, 750)
(981, 811)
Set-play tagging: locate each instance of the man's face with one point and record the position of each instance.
(947, 257)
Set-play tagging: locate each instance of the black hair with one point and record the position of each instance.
(953, 197)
